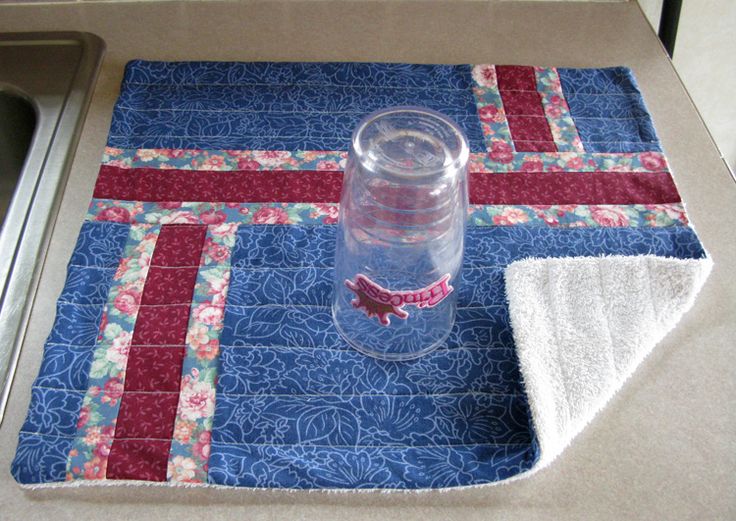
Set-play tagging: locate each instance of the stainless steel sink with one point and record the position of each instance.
(46, 84)
(17, 123)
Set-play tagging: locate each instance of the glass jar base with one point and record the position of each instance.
(388, 356)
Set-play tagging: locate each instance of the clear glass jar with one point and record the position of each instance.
(401, 232)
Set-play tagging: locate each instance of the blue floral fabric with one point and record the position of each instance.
(608, 110)
(297, 408)
(56, 397)
(278, 106)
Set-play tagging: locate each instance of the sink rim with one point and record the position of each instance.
(33, 209)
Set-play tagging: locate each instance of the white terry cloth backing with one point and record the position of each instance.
(583, 324)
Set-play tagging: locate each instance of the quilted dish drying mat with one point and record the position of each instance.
(193, 342)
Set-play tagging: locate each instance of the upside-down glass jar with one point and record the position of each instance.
(400, 234)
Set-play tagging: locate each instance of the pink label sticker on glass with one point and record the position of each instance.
(377, 301)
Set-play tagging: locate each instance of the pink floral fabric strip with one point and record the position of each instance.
(90, 451)
(491, 113)
(222, 160)
(580, 215)
(190, 447)
(500, 158)
(212, 213)
(560, 120)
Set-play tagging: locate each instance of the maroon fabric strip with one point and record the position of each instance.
(145, 422)
(535, 146)
(528, 188)
(138, 459)
(522, 104)
(284, 186)
(530, 128)
(537, 188)
(516, 77)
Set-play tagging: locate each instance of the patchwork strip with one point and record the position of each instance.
(527, 188)
(522, 105)
(657, 215)
(145, 421)
(190, 448)
(557, 111)
(213, 159)
(537, 188)
(212, 213)
(499, 160)
(580, 215)
(491, 112)
(147, 184)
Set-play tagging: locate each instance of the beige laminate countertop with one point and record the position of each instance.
(664, 448)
